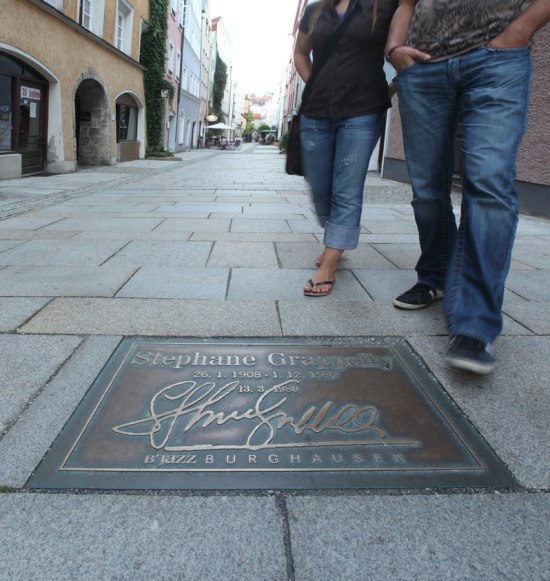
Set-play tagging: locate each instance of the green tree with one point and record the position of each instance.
(153, 58)
(249, 127)
(220, 81)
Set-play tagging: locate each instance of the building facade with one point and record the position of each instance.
(223, 45)
(71, 86)
(189, 97)
(294, 84)
(206, 66)
(174, 48)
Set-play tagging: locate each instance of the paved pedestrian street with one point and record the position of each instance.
(127, 291)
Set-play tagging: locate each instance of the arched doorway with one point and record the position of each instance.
(92, 124)
(23, 113)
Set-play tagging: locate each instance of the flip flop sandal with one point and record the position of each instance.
(313, 285)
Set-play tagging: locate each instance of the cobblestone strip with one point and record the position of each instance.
(130, 174)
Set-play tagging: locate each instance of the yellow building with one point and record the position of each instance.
(71, 86)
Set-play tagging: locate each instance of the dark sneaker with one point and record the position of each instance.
(418, 297)
(470, 354)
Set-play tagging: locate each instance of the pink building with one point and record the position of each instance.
(294, 85)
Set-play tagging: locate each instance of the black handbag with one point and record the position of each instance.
(293, 164)
(293, 149)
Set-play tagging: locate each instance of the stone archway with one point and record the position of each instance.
(92, 124)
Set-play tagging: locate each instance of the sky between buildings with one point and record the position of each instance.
(261, 31)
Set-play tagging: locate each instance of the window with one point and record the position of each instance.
(124, 25)
(126, 118)
(86, 14)
(178, 64)
(91, 15)
(171, 58)
(174, 6)
(6, 114)
(119, 30)
(183, 14)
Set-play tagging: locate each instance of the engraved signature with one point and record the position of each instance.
(195, 402)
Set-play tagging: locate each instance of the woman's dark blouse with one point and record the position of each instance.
(352, 82)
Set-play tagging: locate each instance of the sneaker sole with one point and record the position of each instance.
(469, 365)
(410, 307)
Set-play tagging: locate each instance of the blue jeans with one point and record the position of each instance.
(488, 90)
(336, 155)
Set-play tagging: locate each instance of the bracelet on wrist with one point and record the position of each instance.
(388, 53)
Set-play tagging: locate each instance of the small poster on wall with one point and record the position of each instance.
(30, 93)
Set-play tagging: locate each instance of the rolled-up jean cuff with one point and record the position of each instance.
(341, 237)
(322, 220)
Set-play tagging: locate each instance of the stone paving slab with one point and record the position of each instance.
(16, 310)
(243, 254)
(52, 281)
(401, 225)
(135, 235)
(405, 256)
(253, 237)
(194, 225)
(137, 538)
(388, 238)
(308, 226)
(157, 317)
(26, 443)
(288, 284)
(162, 253)
(183, 208)
(305, 255)
(315, 317)
(6, 245)
(60, 252)
(275, 209)
(533, 285)
(489, 537)
(385, 285)
(171, 282)
(529, 226)
(27, 222)
(533, 315)
(26, 364)
(106, 224)
(510, 407)
(533, 254)
(36, 234)
(260, 225)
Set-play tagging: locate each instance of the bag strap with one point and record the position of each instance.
(327, 51)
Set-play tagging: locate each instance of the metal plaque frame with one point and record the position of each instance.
(268, 414)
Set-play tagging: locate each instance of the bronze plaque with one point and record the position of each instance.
(189, 414)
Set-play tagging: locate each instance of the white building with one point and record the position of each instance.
(189, 97)
(223, 45)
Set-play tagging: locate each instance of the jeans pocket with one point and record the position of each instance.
(406, 69)
(309, 123)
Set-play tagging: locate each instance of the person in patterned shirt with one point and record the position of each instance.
(468, 62)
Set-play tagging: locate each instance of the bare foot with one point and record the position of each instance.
(321, 259)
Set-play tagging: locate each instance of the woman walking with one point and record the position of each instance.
(342, 118)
